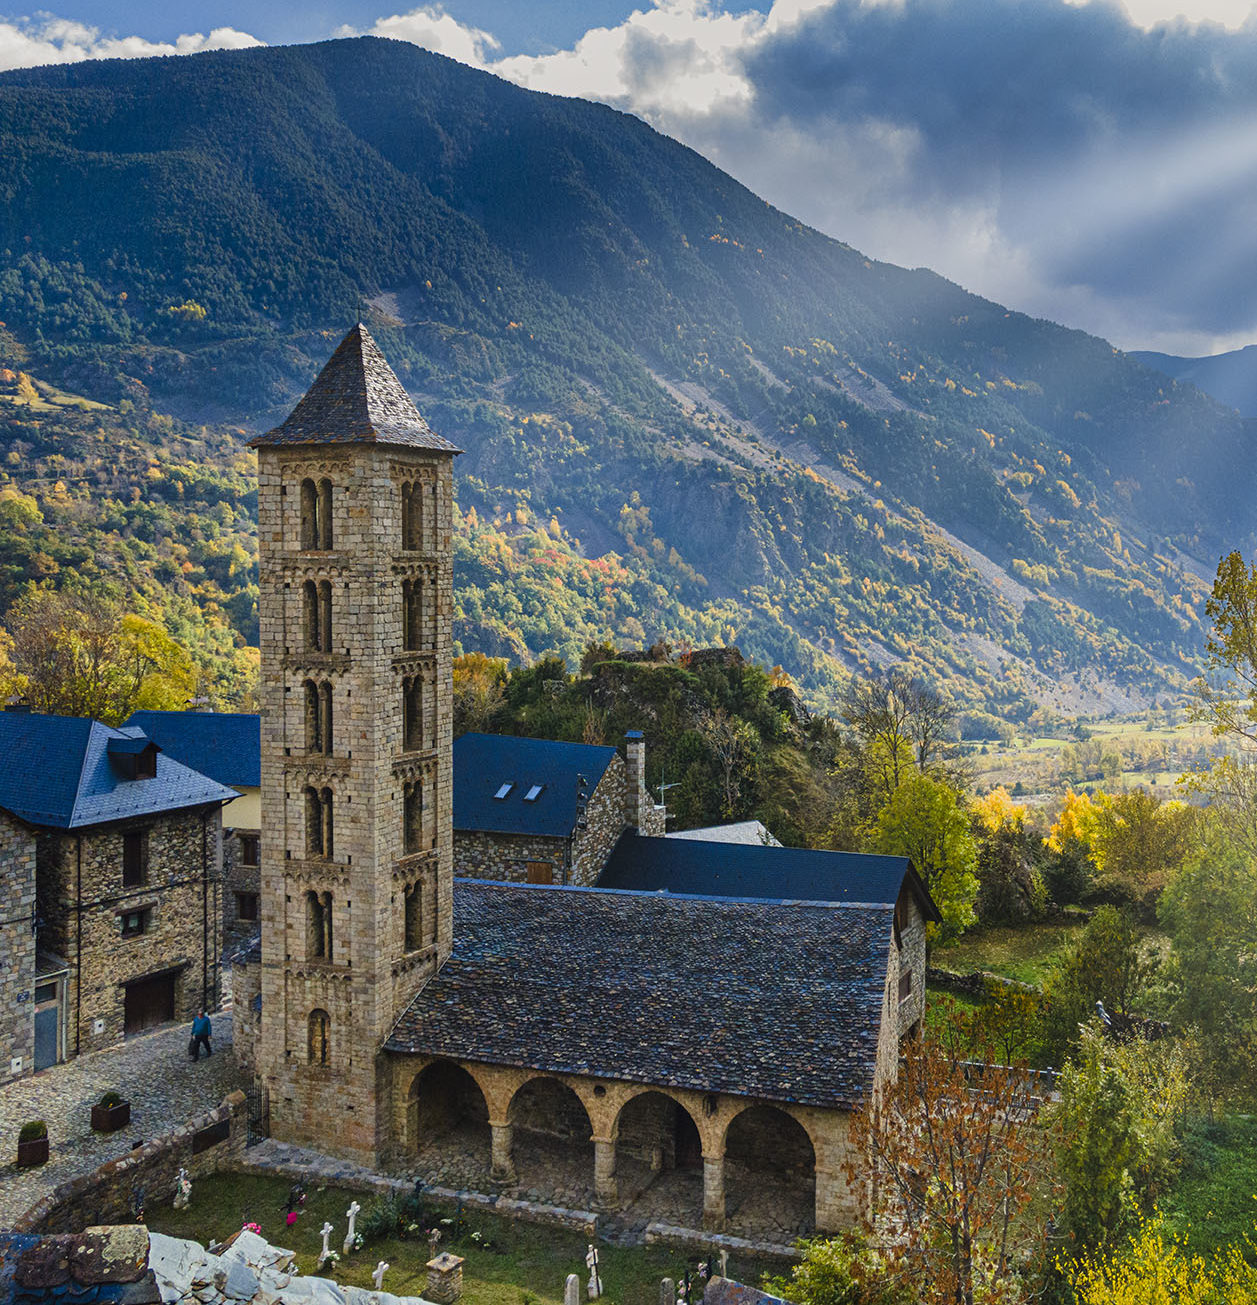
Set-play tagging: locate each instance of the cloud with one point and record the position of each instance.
(433, 29)
(1058, 157)
(26, 43)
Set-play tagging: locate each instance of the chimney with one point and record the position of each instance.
(638, 800)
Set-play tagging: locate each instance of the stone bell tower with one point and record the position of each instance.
(355, 496)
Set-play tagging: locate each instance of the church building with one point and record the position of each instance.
(654, 1052)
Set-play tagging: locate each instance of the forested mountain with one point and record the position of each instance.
(686, 414)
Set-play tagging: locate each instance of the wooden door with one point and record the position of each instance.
(149, 1002)
(540, 872)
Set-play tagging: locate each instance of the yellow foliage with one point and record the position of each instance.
(997, 811)
(1158, 1269)
(1080, 821)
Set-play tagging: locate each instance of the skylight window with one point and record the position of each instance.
(503, 791)
(533, 793)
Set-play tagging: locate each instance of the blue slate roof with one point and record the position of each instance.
(226, 746)
(55, 771)
(762, 999)
(483, 763)
(678, 865)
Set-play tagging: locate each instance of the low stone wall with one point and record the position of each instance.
(975, 984)
(666, 1234)
(212, 1141)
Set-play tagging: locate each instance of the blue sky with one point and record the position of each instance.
(1091, 161)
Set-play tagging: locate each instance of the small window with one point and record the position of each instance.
(905, 985)
(247, 906)
(134, 923)
(134, 858)
(503, 791)
(533, 793)
(249, 849)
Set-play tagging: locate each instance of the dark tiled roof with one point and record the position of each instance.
(226, 746)
(710, 869)
(355, 398)
(760, 999)
(483, 763)
(55, 771)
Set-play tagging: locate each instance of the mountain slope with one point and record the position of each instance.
(1231, 378)
(685, 413)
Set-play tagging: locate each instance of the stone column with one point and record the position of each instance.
(714, 1193)
(503, 1168)
(606, 1189)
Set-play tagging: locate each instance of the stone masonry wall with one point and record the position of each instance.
(481, 855)
(17, 947)
(107, 1195)
(912, 958)
(182, 895)
(605, 822)
(238, 878)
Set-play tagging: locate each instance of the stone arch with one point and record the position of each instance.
(552, 1140)
(659, 1158)
(447, 1124)
(770, 1172)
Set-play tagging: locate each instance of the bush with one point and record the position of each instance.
(110, 1099)
(32, 1131)
(834, 1271)
(390, 1217)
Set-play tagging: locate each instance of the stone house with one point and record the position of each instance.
(692, 1055)
(111, 856)
(543, 812)
(226, 746)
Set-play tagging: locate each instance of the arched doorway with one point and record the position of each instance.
(659, 1161)
(448, 1126)
(770, 1174)
(552, 1143)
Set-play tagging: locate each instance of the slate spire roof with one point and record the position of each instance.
(356, 399)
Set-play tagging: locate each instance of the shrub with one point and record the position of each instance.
(32, 1131)
(110, 1099)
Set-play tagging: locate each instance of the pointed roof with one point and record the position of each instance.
(356, 399)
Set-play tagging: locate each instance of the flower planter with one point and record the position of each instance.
(32, 1153)
(108, 1119)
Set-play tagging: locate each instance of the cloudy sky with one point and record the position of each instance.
(1093, 162)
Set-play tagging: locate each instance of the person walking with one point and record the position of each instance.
(201, 1031)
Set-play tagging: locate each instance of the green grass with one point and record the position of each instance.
(1214, 1202)
(513, 1264)
(1026, 952)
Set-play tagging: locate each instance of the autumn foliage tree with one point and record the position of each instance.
(950, 1161)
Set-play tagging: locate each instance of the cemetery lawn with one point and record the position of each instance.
(512, 1264)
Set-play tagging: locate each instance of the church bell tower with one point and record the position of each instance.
(355, 498)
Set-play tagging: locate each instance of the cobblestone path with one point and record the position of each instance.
(152, 1071)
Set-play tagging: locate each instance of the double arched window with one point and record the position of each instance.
(316, 612)
(319, 844)
(316, 515)
(318, 926)
(318, 717)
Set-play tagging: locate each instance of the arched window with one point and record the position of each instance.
(309, 515)
(313, 717)
(325, 514)
(412, 818)
(325, 717)
(430, 521)
(412, 614)
(412, 517)
(414, 917)
(314, 823)
(325, 616)
(318, 926)
(320, 1028)
(413, 714)
(311, 626)
(325, 799)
